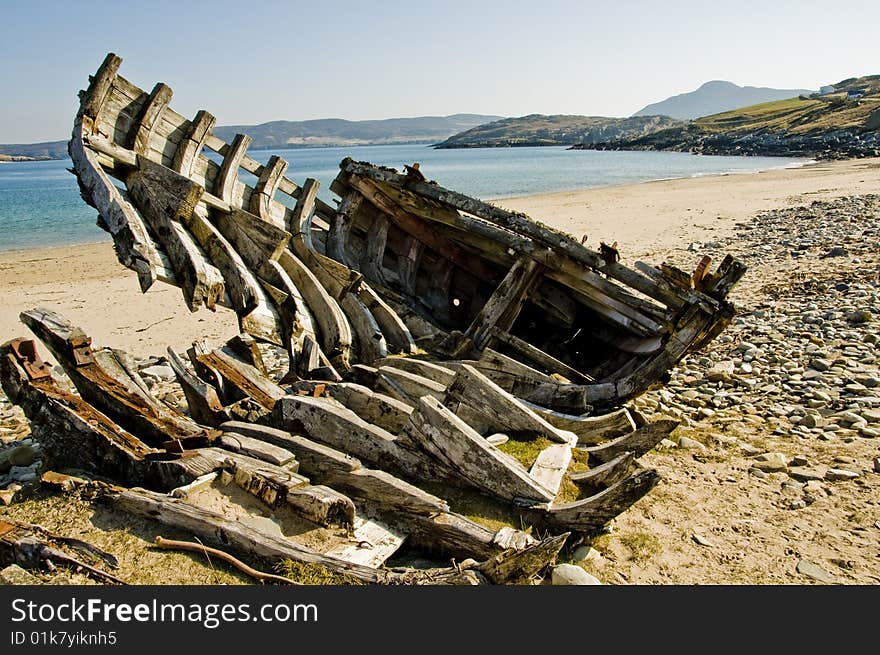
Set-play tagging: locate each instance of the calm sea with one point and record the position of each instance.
(40, 203)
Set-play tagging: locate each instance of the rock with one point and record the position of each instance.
(15, 575)
(749, 450)
(497, 439)
(690, 444)
(770, 462)
(585, 554)
(869, 433)
(820, 364)
(158, 371)
(877, 465)
(758, 473)
(811, 421)
(701, 540)
(838, 475)
(22, 454)
(666, 444)
(858, 316)
(721, 372)
(805, 475)
(837, 251)
(814, 571)
(799, 460)
(23, 473)
(571, 574)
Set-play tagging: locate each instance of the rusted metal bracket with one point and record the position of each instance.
(25, 351)
(81, 349)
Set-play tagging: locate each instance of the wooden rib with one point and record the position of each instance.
(594, 512)
(191, 146)
(244, 377)
(333, 327)
(590, 430)
(374, 254)
(468, 453)
(340, 226)
(369, 342)
(165, 199)
(227, 179)
(397, 335)
(150, 116)
(134, 247)
(501, 411)
(408, 264)
(338, 427)
(100, 86)
(607, 474)
(539, 357)
(201, 398)
(301, 217)
(433, 371)
(240, 284)
(501, 309)
(638, 442)
(255, 239)
(267, 185)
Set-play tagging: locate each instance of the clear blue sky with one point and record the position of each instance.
(251, 62)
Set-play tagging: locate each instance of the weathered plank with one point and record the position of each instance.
(607, 474)
(190, 147)
(551, 465)
(256, 240)
(467, 452)
(638, 442)
(267, 185)
(501, 309)
(340, 226)
(339, 427)
(370, 544)
(201, 398)
(431, 370)
(374, 254)
(590, 430)
(238, 443)
(413, 385)
(244, 377)
(165, 199)
(501, 411)
(226, 182)
(594, 512)
(386, 412)
(150, 116)
(105, 383)
(219, 530)
(539, 357)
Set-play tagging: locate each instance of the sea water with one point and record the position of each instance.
(40, 203)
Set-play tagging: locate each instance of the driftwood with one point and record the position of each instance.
(173, 544)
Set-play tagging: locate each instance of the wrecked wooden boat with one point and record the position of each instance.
(453, 374)
(400, 260)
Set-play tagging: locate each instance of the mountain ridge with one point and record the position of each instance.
(714, 97)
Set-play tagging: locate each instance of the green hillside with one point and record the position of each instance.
(836, 124)
(542, 130)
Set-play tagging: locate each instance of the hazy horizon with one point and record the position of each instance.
(301, 61)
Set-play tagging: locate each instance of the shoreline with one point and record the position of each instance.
(648, 220)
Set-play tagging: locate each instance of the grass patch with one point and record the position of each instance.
(489, 512)
(525, 451)
(641, 545)
(314, 574)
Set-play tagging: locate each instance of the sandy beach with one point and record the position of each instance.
(648, 221)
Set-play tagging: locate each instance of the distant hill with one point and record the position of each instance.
(339, 132)
(26, 151)
(715, 97)
(541, 130)
(286, 134)
(844, 122)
